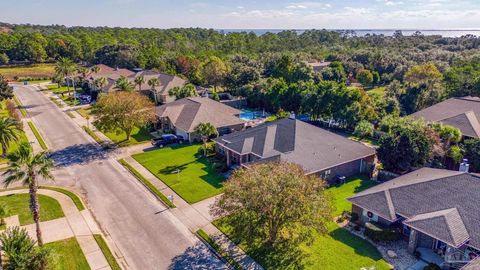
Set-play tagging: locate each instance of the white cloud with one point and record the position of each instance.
(296, 7)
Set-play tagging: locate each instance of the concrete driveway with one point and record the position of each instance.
(148, 236)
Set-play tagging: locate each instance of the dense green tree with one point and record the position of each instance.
(407, 145)
(123, 111)
(213, 71)
(472, 153)
(270, 205)
(364, 129)
(365, 77)
(6, 92)
(334, 72)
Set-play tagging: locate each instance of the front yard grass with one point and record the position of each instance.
(67, 255)
(18, 204)
(139, 135)
(197, 180)
(107, 252)
(337, 250)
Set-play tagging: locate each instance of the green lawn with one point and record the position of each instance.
(59, 90)
(139, 135)
(377, 91)
(31, 71)
(197, 179)
(18, 204)
(337, 250)
(340, 193)
(85, 111)
(67, 255)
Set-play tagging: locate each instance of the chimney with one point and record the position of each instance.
(464, 166)
(292, 115)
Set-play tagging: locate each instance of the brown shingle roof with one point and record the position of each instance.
(187, 113)
(440, 203)
(313, 148)
(463, 113)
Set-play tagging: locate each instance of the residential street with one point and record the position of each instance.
(148, 236)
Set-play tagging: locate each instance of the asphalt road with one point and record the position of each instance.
(148, 236)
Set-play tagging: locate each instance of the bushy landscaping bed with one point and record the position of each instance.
(198, 178)
(338, 249)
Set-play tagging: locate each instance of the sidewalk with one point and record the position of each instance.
(78, 118)
(79, 224)
(197, 216)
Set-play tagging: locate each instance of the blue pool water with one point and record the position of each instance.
(251, 115)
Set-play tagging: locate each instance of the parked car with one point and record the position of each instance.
(167, 139)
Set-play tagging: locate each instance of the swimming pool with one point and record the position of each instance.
(252, 115)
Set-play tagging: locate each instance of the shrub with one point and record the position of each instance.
(432, 266)
(364, 129)
(377, 233)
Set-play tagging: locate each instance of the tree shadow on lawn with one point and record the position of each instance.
(359, 245)
(78, 154)
(197, 257)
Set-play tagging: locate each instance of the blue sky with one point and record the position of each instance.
(330, 14)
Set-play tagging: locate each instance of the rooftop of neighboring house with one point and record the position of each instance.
(187, 113)
(317, 66)
(461, 112)
(440, 203)
(167, 82)
(314, 148)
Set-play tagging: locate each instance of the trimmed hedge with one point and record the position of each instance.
(377, 233)
(202, 234)
(147, 183)
(37, 135)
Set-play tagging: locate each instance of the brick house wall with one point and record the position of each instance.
(347, 169)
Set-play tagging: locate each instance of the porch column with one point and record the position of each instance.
(227, 154)
(412, 241)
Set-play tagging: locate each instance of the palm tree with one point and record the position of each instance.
(100, 83)
(9, 132)
(154, 82)
(206, 130)
(95, 69)
(25, 166)
(123, 84)
(139, 81)
(83, 71)
(65, 67)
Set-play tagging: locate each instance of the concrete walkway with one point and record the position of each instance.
(197, 216)
(78, 224)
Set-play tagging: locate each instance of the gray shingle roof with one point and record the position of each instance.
(313, 148)
(472, 265)
(462, 113)
(441, 203)
(187, 113)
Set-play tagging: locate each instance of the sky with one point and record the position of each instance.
(248, 14)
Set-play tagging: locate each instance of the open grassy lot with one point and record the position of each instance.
(337, 250)
(67, 255)
(197, 179)
(31, 71)
(18, 204)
